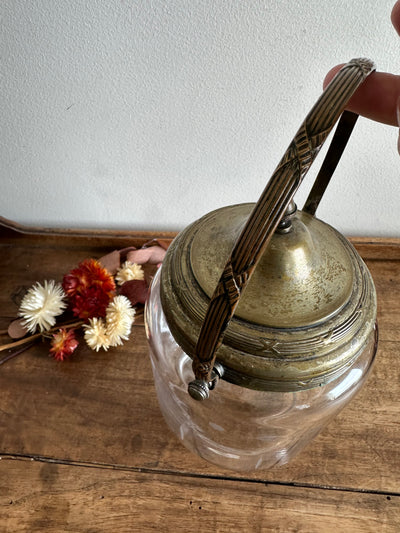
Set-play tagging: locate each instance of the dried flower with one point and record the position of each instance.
(89, 291)
(90, 287)
(63, 344)
(41, 304)
(96, 334)
(129, 271)
(119, 319)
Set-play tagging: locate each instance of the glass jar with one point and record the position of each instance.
(271, 310)
(239, 428)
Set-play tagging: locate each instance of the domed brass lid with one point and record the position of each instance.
(305, 277)
(306, 313)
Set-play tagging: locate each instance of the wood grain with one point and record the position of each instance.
(59, 498)
(98, 409)
(93, 427)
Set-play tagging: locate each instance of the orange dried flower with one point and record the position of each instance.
(63, 344)
(89, 287)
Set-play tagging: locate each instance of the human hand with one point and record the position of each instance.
(378, 98)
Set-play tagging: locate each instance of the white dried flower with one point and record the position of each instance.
(41, 305)
(119, 319)
(96, 334)
(129, 271)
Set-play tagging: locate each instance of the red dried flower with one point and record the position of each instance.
(90, 287)
(63, 344)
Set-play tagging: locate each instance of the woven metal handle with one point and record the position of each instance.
(271, 207)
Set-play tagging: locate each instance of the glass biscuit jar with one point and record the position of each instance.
(262, 319)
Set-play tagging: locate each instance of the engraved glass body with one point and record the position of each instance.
(239, 428)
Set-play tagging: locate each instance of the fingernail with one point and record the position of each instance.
(398, 122)
(398, 111)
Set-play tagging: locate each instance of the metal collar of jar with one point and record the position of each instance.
(309, 306)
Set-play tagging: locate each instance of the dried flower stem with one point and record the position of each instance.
(36, 336)
(14, 354)
(14, 344)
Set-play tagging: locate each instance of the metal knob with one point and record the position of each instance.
(199, 390)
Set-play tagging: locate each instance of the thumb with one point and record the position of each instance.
(377, 97)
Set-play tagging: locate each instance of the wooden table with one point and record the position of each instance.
(84, 448)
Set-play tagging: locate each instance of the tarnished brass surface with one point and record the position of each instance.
(307, 312)
(305, 275)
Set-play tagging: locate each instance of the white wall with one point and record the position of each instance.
(147, 114)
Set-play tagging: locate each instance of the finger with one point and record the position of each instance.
(377, 97)
(396, 23)
(396, 16)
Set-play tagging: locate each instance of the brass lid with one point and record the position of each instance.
(305, 277)
(306, 313)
